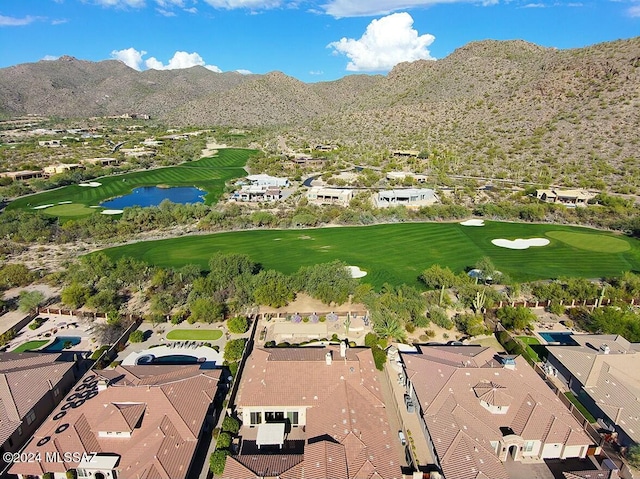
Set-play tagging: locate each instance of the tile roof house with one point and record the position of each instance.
(479, 408)
(31, 385)
(329, 196)
(567, 197)
(409, 197)
(328, 407)
(139, 421)
(603, 370)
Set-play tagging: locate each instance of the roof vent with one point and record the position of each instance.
(327, 358)
(605, 349)
(343, 349)
(102, 384)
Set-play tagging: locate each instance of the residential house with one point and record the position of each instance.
(603, 371)
(22, 175)
(307, 161)
(313, 412)
(479, 409)
(31, 385)
(566, 197)
(267, 180)
(329, 196)
(405, 153)
(50, 143)
(400, 176)
(409, 197)
(101, 161)
(141, 421)
(61, 168)
(250, 193)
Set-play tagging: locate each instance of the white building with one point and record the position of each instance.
(329, 196)
(409, 197)
(267, 180)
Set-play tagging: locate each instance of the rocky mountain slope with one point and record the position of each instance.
(492, 108)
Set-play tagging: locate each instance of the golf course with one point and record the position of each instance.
(398, 253)
(208, 174)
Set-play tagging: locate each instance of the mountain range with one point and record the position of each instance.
(503, 107)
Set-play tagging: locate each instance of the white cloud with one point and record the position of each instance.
(130, 57)
(180, 60)
(17, 22)
(166, 13)
(316, 72)
(121, 3)
(251, 4)
(365, 8)
(634, 11)
(534, 5)
(49, 58)
(59, 21)
(386, 42)
(244, 72)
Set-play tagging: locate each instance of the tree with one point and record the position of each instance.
(223, 268)
(633, 455)
(489, 271)
(136, 337)
(238, 325)
(233, 350)
(387, 325)
(206, 310)
(230, 424)
(217, 461)
(30, 300)
(435, 277)
(328, 282)
(15, 274)
(516, 318)
(75, 295)
(471, 324)
(273, 288)
(223, 441)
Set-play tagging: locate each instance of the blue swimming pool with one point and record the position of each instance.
(60, 341)
(563, 338)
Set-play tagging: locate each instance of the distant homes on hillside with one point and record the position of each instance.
(408, 197)
(261, 188)
(565, 197)
(329, 196)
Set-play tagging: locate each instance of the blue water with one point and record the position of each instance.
(58, 343)
(153, 196)
(562, 338)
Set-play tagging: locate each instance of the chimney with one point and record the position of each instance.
(343, 349)
(102, 384)
(605, 349)
(327, 358)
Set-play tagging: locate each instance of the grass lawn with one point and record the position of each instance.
(209, 174)
(398, 253)
(580, 407)
(532, 343)
(491, 342)
(194, 334)
(30, 346)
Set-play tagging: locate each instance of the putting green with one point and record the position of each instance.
(591, 242)
(397, 253)
(209, 174)
(70, 210)
(194, 334)
(30, 346)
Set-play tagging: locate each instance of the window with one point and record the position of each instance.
(275, 416)
(19, 430)
(292, 416)
(31, 416)
(528, 446)
(56, 392)
(256, 418)
(82, 473)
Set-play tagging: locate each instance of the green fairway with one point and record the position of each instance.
(30, 346)
(194, 334)
(591, 242)
(209, 174)
(398, 253)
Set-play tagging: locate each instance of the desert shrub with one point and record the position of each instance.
(136, 337)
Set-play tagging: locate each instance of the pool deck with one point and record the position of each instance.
(54, 326)
(187, 348)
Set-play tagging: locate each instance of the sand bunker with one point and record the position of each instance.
(92, 184)
(356, 272)
(41, 207)
(473, 223)
(111, 212)
(64, 202)
(520, 243)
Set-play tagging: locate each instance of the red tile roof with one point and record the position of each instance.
(162, 413)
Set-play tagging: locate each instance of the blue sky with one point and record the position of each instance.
(312, 40)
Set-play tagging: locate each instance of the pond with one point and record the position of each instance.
(154, 195)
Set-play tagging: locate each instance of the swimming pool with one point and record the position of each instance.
(168, 359)
(58, 344)
(563, 338)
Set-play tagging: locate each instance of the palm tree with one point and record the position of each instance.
(387, 326)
